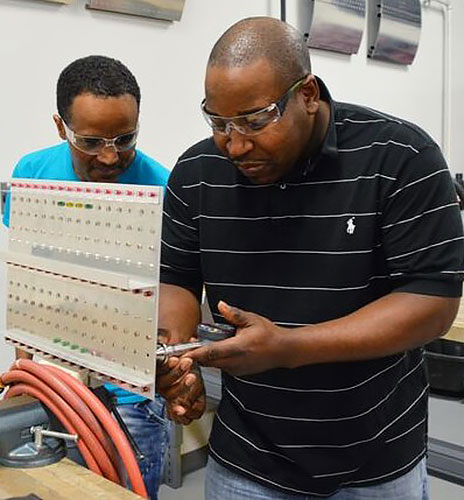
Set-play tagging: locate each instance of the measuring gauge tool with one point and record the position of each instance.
(206, 333)
(215, 331)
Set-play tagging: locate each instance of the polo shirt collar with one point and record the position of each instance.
(329, 145)
(327, 151)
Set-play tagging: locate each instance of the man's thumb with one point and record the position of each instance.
(233, 315)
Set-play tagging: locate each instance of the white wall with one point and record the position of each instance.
(457, 86)
(37, 39)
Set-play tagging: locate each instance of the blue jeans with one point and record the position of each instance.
(221, 484)
(150, 429)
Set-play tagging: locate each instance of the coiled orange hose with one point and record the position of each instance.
(80, 412)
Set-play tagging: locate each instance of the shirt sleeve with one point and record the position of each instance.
(421, 230)
(6, 211)
(21, 170)
(180, 247)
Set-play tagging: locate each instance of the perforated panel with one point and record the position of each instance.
(111, 228)
(81, 316)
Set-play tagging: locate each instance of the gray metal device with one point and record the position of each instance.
(83, 277)
(17, 416)
(394, 28)
(335, 25)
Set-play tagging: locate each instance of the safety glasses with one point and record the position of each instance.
(251, 123)
(94, 145)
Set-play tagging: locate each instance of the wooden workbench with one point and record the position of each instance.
(64, 480)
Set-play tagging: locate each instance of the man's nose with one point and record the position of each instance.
(237, 144)
(108, 155)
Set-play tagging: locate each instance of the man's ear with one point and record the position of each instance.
(311, 94)
(59, 126)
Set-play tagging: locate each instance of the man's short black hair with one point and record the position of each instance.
(98, 75)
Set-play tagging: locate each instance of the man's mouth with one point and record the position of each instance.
(251, 168)
(104, 171)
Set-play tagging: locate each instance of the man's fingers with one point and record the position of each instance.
(167, 366)
(199, 406)
(183, 412)
(195, 411)
(163, 368)
(179, 410)
(177, 390)
(185, 391)
(179, 368)
(190, 379)
(178, 415)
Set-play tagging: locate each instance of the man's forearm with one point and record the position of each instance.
(179, 313)
(394, 323)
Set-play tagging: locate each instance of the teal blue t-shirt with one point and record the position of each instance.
(55, 163)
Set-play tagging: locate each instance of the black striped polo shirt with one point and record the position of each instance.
(373, 212)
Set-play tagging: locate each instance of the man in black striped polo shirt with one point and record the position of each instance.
(330, 235)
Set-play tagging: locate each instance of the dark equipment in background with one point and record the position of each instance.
(445, 365)
(445, 357)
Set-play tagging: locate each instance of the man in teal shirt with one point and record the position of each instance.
(98, 102)
(56, 163)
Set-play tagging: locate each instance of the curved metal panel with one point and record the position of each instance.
(335, 25)
(167, 10)
(394, 28)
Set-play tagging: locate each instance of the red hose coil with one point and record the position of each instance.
(82, 413)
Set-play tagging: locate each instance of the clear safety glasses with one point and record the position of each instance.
(251, 123)
(94, 145)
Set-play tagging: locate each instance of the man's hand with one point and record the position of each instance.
(181, 385)
(256, 347)
(176, 380)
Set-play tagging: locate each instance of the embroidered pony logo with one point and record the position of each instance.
(350, 226)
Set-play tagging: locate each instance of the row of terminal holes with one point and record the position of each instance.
(75, 333)
(88, 222)
(58, 310)
(95, 206)
(68, 298)
(85, 238)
